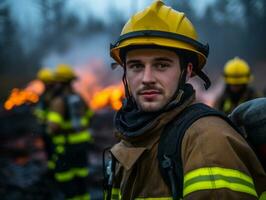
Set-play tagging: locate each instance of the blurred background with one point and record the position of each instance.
(45, 33)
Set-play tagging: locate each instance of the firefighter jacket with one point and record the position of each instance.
(68, 134)
(217, 162)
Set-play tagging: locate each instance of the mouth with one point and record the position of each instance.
(150, 95)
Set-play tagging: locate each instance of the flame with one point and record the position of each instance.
(19, 97)
(90, 86)
(109, 96)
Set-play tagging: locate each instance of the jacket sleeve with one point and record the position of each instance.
(218, 163)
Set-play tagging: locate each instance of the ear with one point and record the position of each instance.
(189, 70)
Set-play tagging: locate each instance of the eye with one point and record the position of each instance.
(162, 66)
(136, 67)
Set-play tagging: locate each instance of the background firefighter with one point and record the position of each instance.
(68, 120)
(237, 77)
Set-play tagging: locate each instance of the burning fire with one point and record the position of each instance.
(21, 96)
(109, 96)
(89, 85)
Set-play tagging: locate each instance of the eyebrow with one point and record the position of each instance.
(156, 59)
(133, 61)
(163, 59)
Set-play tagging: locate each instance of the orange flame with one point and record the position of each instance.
(109, 96)
(89, 85)
(19, 97)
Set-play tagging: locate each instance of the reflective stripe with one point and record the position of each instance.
(227, 105)
(40, 114)
(64, 176)
(80, 197)
(116, 194)
(57, 118)
(59, 139)
(70, 174)
(84, 121)
(81, 172)
(217, 178)
(155, 198)
(54, 117)
(50, 164)
(60, 149)
(263, 196)
(83, 136)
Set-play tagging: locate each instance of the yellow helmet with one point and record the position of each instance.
(64, 73)
(237, 71)
(46, 75)
(162, 26)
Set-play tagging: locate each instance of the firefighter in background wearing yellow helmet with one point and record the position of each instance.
(46, 75)
(237, 77)
(68, 121)
(159, 51)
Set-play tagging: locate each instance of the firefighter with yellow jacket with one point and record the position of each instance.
(68, 120)
(237, 77)
(159, 50)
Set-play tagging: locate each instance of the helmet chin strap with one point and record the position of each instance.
(129, 100)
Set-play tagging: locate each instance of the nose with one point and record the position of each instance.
(148, 75)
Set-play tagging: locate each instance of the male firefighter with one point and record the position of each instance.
(41, 110)
(158, 50)
(237, 76)
(68, 119)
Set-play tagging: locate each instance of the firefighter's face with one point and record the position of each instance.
(152, 76)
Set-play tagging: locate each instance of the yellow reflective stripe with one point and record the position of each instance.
(85, 197)
(227, 105)
(116, 194)
(83, 136)
(84, 121)
(155, 198)
(54, 117)
(217, 178)
(40, 114)
(50, 164)
(59, 139)
(263, 196)
(70, 174)
(64, 176)
(80, 172)
(80, 197)
(60, 149)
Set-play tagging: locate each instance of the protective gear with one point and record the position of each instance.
(169, 29)
(236, 72)
(64, 73)
(207, 173)
(46, 75)
(71, 138)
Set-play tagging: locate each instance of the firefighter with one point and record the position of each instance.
(68, 121)
(41, 109)
(159, 51)
(237, 77)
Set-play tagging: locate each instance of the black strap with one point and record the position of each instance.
(205, 78)
(109, 164)
(169, 149)
(204, 49)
